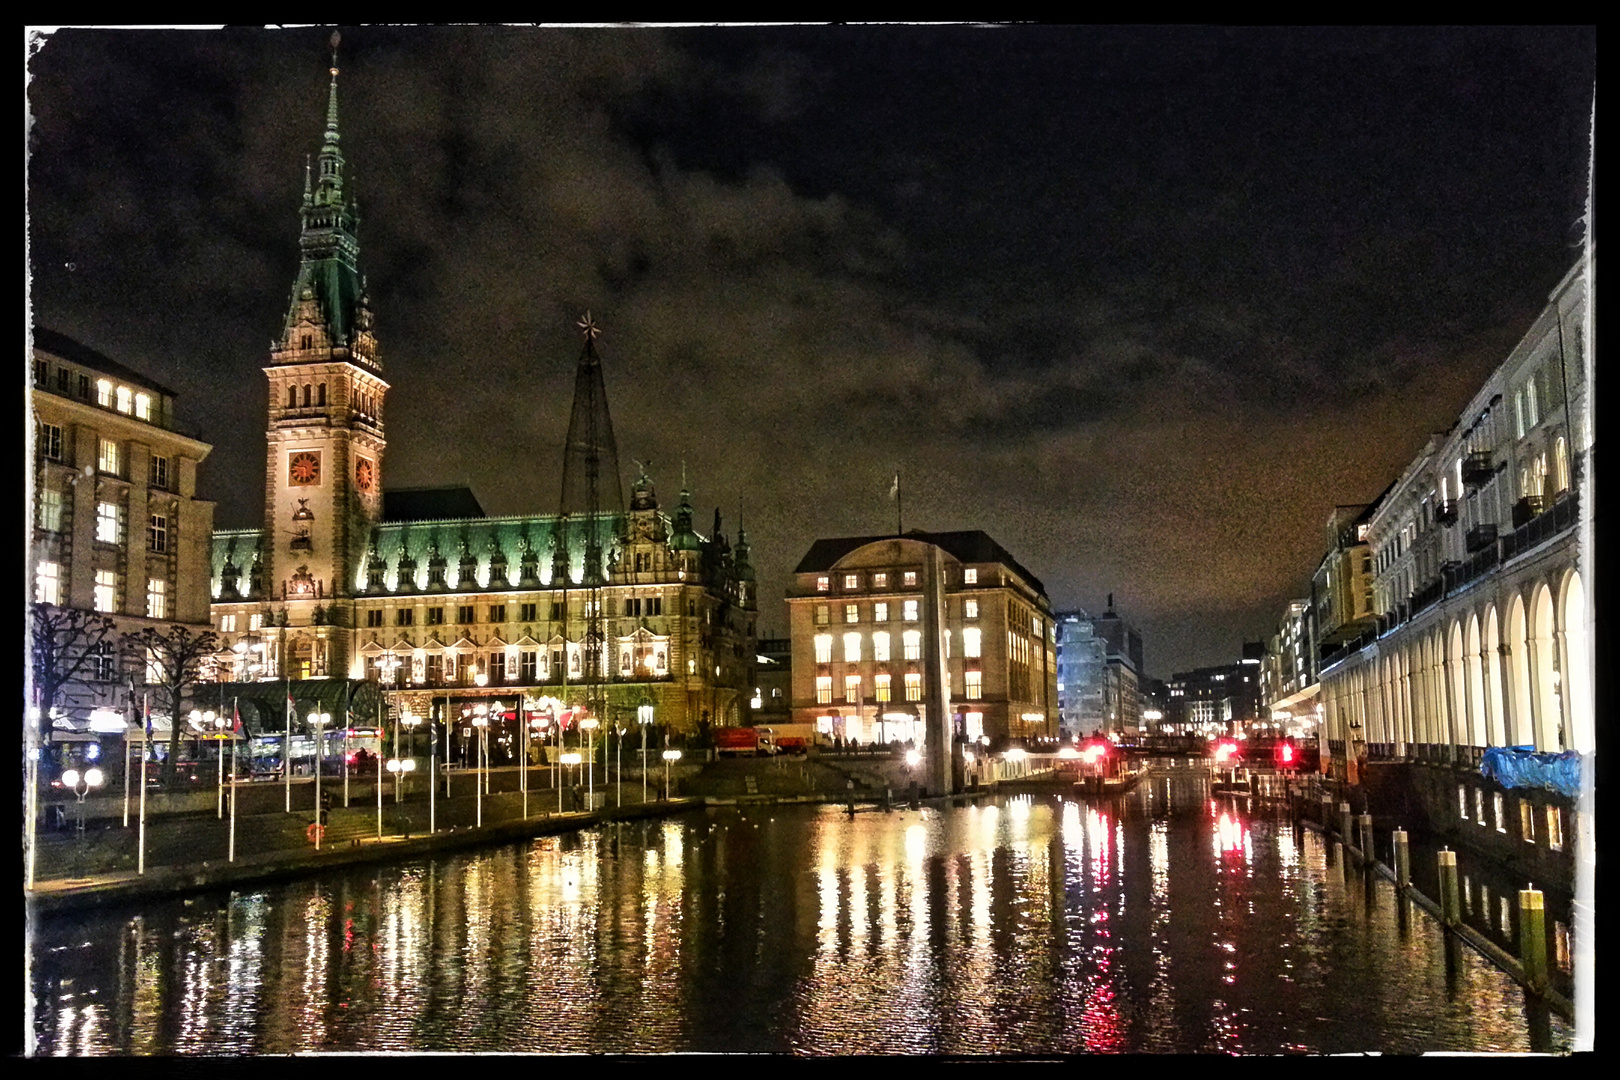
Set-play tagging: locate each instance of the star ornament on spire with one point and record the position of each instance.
(588, 327)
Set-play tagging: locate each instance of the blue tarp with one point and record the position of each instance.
(1521, 767)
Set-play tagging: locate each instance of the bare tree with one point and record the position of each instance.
(67, 646)
(174, 658)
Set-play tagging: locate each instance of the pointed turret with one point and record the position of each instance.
(328, 309)
(685, 537)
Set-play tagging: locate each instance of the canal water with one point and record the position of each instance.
(1164, 921)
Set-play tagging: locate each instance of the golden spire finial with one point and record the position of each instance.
(588, 327)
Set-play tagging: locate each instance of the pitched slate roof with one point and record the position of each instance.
(431, 504)
(57, 344)
(969, 546)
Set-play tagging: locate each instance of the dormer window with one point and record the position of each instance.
(309, 342)
(970, 576)
(125, 398)
(822, 583)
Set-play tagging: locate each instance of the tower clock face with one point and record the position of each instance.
(304, 469)
(365, 474)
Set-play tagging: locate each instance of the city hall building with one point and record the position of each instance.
(356, 597)
(866, 625)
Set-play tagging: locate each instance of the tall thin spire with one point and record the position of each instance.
(331, 98)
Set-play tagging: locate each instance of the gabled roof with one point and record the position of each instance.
(57, 344)
(431, 504)
(970, 546)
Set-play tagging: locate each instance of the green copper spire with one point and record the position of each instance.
(329, 294)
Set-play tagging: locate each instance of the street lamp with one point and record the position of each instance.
(399, 767)
(669, 756)
(619, 730)
(80, 785)
(644, 717)
(570, 758)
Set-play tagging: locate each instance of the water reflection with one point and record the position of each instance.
(1162, 921)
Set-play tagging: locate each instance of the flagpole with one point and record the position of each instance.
(433, 773)
(346, 726)
(286, 751)
(523, 734)
(146, 738)
(379, 784)
(231, 856)
(899, 507)
(126, 756)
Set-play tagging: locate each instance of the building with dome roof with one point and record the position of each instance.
(599, 608)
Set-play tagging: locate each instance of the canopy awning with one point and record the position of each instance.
(264, 705)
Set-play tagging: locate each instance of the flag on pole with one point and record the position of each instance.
(894, 488)
(146, 709)
(236, 719)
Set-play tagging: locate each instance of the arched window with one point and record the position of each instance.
(320, 394)
(1561, 465)
(292, 397)
(306, 395)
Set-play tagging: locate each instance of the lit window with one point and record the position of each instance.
(107, 522)
(973, 685)
(880, 685)
(1527, 822)
(880, 646)
(852, 581)
(852, 648)
(970, 609)
(143, 406)
(1561, 465)
(821, 615)
(909, 577)
(1499, 812)
(126, 399)
(156, 595)
(971, 642)
(1462, 802)
(50, 510)
(852, 689)
(880, 612)
(1479, 806)
(821, 584)
(1532, 409)
(912, 644)
(913, 687)
(157, 533)
(105, 585)
(852, 613)
(1035, 626)
(910, 611)
(823, 689)
(103, 392)
(823, 648)
(107, 458)
(970, 576)
(880, 581)
(227, 624)
(255, 622)
(48, 583)
(1555, 829)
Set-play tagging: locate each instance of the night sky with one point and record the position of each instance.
(1143, 304)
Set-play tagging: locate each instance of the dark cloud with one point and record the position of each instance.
(1143, 304)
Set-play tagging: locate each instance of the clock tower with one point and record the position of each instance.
(323, 467)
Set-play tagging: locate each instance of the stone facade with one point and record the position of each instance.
(860, 651)
(114, 493)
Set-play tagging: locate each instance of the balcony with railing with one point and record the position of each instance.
(1480, 537)
(1446, 513)
(1526, 509)
(1563, 514)
(1478, 468)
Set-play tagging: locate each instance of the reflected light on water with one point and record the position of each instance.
(1051, 927)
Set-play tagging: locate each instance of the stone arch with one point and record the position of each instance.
(1479, 734)
(1550, 729)
(1403, 700)
(1492, 657)
(1522, 729)
(1457, 685)
(1576, 661)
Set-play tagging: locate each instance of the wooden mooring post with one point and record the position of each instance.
(1450, 908)
(1533, 938)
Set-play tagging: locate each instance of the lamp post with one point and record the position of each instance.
(81, 785)
(318, 721)
(570, 758)
(644, 716)
(399, 767)
(480, 720)
(589, 724)
(669, 757)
